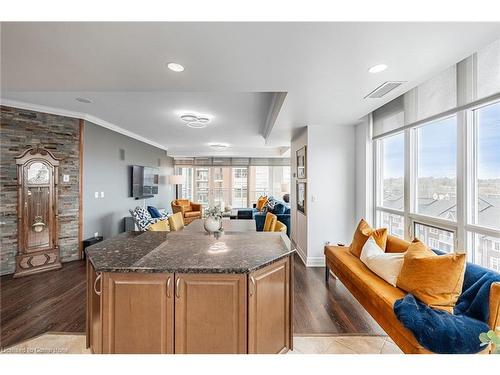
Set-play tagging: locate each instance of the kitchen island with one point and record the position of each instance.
(189, 292)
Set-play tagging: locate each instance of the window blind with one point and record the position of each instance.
(389, 117)
(488, 70)
(237, 162)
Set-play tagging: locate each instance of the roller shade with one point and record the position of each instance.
(235, 162)
(389, 117)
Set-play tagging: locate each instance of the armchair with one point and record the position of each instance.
(190, 211)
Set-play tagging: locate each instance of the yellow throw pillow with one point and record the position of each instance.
(161, 226)
(363, 232)
(436, 280)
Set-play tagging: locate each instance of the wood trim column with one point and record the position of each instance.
(80, 193)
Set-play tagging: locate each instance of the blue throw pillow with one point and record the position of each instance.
(279, 209)
(153, 211)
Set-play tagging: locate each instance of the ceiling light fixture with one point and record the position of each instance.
(83, 100)
(218, 146)
(175, 67)
(377, 68)
(194, 121)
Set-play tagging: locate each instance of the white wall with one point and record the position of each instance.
(331, 188)
(364, 171)
(298, 219)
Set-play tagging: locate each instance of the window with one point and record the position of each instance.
(435, 238)
(486, 177)
(186, 189)
(240, 185)
(483, 248)
(436, 169)
(393, 223)
(268, 180)
(392, 167)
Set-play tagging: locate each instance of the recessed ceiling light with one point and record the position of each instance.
(218, 146)
(377, 68)
(175, 67)
(83, 100)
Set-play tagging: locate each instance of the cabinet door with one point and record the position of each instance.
(210, 313)
(138, 313)
(269, 301)
(94, 310)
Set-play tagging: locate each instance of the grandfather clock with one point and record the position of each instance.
(37, 215)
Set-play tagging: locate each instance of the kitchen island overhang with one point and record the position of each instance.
(189, 292)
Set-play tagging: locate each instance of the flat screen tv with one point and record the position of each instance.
(144, 181)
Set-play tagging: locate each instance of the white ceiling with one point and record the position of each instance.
(231, 71)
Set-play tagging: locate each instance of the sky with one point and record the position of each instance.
(437, 147)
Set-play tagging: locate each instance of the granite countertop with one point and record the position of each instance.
(189, 252)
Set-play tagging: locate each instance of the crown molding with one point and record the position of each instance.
(78, 115)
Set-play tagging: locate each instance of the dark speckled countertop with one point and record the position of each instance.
(189, 251)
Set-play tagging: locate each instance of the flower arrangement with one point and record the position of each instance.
(213, 212)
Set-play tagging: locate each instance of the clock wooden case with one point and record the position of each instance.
(37, 213)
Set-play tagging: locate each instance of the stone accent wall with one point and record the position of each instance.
(20, 129)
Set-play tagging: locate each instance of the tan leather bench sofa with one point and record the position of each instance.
(378, 297)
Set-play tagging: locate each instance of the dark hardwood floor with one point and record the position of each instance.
(55, 301)
(52, 301)
(327, 309)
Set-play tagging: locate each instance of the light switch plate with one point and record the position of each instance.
(65, 177)
(102, 194)
(96, 195)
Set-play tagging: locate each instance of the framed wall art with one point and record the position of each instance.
(301, 197)
(301, 162)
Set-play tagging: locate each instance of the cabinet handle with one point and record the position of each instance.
(168, 287)
(95, 285)
(177, 288)
(252, 289)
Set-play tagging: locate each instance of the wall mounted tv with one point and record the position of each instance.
(144, 181)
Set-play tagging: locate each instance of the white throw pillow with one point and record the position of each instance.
(385, 265)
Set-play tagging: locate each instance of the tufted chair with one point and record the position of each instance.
(190, 211)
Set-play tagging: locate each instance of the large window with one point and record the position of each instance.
(390, 196)
(436, 169)
(435, 238)
(392, 172)
(269, 180)
(486, 167)
(454, 183)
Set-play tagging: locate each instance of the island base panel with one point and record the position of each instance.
(269, 318)
(210, 314)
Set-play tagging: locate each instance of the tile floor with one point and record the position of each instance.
(53, 343)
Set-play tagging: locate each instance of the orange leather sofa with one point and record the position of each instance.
(378, 297)
(190, 211)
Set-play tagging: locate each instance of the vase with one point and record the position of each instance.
(212, 224)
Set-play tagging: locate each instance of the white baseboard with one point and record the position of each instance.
(315, 262)
(309, 261)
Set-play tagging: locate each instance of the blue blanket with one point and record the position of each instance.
(441, 332)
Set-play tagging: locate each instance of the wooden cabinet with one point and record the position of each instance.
(269, 306)
(210, 313)
(190, 313)
(94, 310)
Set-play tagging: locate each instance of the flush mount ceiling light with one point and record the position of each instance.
(194, 121)
(218, 146)
(175, 67)
(83, 100)
(377, 68)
